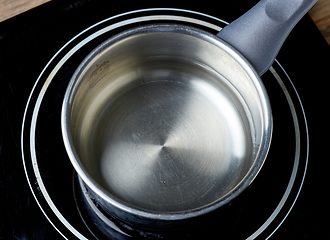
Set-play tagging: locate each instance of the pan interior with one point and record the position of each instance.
(162, 132)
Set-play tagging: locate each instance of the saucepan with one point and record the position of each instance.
(167, 122)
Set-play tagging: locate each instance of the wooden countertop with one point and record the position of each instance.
(320, 13)
(11, 8)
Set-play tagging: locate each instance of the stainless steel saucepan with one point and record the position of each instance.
(167, 122)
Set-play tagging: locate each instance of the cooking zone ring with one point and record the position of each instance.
(43, 83)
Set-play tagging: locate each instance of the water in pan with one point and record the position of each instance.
(177, 139)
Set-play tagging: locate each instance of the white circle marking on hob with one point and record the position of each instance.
(78, 46)
(297, 156)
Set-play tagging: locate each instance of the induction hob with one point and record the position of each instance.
(40, 197)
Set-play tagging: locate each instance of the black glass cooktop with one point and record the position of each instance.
(40, 194)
